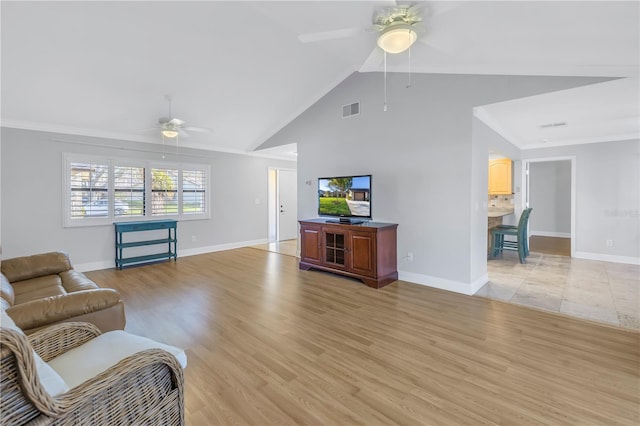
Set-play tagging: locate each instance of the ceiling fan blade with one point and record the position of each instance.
(373, 61)
(176, 122)
(445, 45)
(199, 129)
(163, 120)
(441, 7)
(330, 35)
(182, 133)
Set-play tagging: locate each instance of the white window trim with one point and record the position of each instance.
(69, 158)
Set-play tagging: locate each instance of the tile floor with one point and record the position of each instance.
(598, 291)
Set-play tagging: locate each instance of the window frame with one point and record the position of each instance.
(112, 162)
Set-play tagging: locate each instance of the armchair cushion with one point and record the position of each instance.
(51, 381)
(6, 291)
(84, 362)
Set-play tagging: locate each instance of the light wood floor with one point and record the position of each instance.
(288, 247)
(269, 344)
(550, 245)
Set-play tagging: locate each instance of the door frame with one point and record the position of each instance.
(274, 201)
(526, 189)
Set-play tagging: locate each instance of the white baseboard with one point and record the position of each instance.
(95, 266)
(608, 258)
(443, 284)
(550, 234)
(220, 247)
(106, 264)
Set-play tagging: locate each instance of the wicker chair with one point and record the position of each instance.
(144, 388)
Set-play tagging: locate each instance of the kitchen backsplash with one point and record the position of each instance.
(501, 201)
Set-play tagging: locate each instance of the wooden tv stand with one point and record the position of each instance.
(364, 251)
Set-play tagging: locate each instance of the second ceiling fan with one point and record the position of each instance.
(171, 127)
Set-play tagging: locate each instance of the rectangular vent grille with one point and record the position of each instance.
(351, 110)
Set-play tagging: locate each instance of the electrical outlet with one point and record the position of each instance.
(193, 238)
(410, 257)
(609, 243)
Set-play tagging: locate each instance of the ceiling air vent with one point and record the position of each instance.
(351, 110)
(549, 125)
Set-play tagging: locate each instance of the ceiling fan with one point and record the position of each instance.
(171, 127)
(398, 26)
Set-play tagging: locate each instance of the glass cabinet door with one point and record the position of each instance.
(334, 248)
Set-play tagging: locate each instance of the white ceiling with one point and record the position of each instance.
(240, 68)
(602, 112)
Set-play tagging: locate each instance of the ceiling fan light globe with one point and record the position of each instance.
(397, 38)
(169, 133)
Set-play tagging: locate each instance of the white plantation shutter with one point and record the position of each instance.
(194, 191)
(88, 190)
(100, 191)
(164, 192)
(129, 191)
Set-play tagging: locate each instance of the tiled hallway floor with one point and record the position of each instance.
(598, 291)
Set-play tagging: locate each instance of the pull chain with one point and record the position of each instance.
(385, 82)
(409, 85)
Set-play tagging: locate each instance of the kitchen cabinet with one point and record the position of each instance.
(365, 251)
(500, 176)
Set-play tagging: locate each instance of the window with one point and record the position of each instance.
(129, 194)
(100, 191)
(89, 190)
(164, 192)
(194, 192)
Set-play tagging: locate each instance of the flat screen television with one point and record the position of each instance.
(345, 197)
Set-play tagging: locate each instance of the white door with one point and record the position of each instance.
(287, 205)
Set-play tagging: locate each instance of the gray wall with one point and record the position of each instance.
(607, 198)
(426, 172)
(32, 197)
(550, 196)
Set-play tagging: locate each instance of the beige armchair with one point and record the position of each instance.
(43, 377)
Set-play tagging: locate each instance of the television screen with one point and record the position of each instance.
(345, 196)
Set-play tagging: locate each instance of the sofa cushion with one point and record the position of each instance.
(6, 291)
(76, 281)
(97, 355)
(37, 288)
(37, 265)
(37, 313)
(51, 381)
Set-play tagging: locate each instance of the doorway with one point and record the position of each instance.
(549, 188)
(283, 205)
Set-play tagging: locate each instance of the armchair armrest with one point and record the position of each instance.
(57, 308)
(144, 384)
(143, 387)
(59, 338)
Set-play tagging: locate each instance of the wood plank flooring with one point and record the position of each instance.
(550, 245)
(269, 344)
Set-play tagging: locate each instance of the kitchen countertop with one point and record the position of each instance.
(493, 212)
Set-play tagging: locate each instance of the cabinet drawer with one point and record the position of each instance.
(144, 226)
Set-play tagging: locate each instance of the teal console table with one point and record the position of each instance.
(124, 227)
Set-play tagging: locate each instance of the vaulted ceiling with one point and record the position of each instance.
(244, 69)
